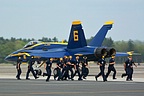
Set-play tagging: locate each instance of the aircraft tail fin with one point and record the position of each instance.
(76, 37)
(99, 37)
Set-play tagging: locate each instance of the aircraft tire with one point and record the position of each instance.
(39, 72)
(55, 72)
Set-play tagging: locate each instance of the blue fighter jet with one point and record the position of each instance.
(76, 45)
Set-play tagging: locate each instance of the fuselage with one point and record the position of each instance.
(46, 48)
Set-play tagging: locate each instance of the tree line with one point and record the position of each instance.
(8, 46)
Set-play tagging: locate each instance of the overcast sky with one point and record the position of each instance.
(53, 18)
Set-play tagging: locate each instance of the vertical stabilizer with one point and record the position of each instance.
(76, 37)
(99, 37)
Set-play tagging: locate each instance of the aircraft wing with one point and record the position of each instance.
(50, 54)
(117, 53)
(121, 54)
(84, 53)
(126, 53)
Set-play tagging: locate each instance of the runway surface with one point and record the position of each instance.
(12, 87)
(9, 86)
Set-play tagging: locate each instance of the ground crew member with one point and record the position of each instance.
(101, 63)
(30, 68)
(59, 66)
(128, 66)
(84, 67)
(19, 61)
(48, 66)
(111, 67)
(76, 67)
(65, 74)
(69, 67)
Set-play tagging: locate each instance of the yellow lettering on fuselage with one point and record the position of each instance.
(24, 56)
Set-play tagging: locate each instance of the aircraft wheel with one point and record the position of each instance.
(39, 72)
(55, 71)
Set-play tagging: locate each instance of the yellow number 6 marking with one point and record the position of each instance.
(75, 35)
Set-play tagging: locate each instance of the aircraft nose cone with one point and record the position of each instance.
(10, 58)
(7, 58)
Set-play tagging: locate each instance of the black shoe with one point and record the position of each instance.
(84, 77)
(36, 77)
(96, 78)
(122, 76)
(80, 79)
(47, 80)
(114, 78)
(54, 78)
(127, 79)
(27, 78)
(72, 79)
(43, 74)
(18, 79)
(104, 80)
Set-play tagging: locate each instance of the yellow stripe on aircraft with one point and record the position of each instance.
(24, 62)
(20, 54)
(76, 22)
(78, 54)
(59, 43)
(109, 23)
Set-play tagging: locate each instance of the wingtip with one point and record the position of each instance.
(130, 53)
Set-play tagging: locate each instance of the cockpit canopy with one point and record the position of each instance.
(31, 43)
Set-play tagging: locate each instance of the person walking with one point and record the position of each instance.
(85, 67)
(19, 62)
(48, 66)
(101, 63)
(111, 67)
(128, 66)
(59, 67)
(30, 68)
(77, 69)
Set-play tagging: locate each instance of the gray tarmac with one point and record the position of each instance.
(12, 87)
(9, 86)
